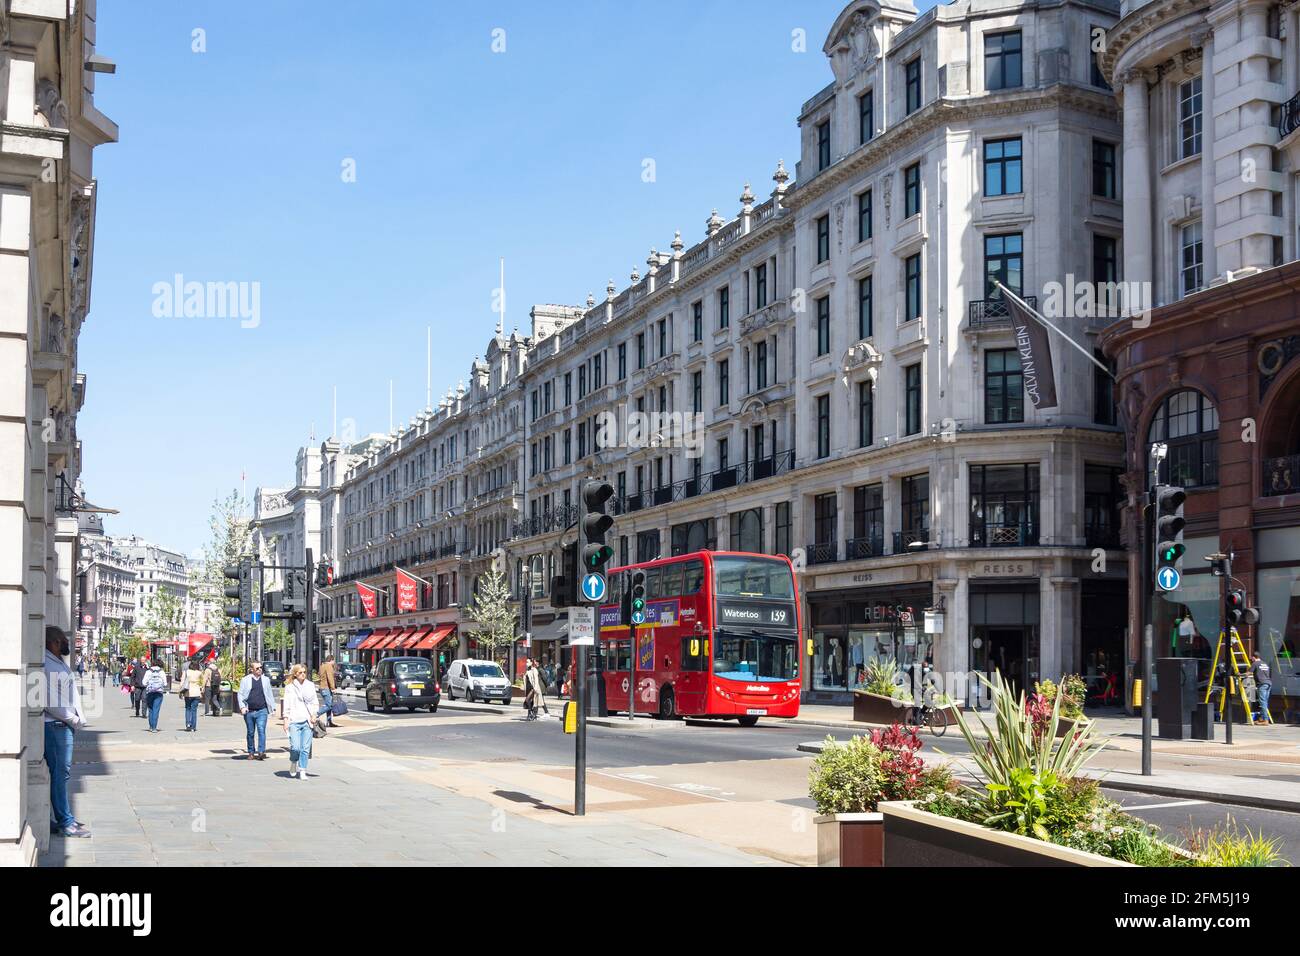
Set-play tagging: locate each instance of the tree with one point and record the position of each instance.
(492, 618)
(229, 539)
(163, 616)
(116, 638)
(136, 648)
(276, 637)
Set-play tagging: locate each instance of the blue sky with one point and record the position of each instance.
(231, 164)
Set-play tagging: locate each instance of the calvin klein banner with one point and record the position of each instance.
(1035, 354)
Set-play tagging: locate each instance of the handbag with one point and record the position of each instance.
(339, 708)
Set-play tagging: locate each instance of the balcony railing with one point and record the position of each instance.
(995, 534)
(1281, 475)
(993, 313)
(855, 549)
(824, 552)
(1289, 120)
(903, 540)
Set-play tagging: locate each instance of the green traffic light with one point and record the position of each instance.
(598, 558)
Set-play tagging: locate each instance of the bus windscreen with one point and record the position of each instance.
(762, 578)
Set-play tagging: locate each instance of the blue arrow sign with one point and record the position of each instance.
(594, 587)
(1169, 579)
(638, 618)
(257, 617)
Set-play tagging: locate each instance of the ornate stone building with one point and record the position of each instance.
(49, 127)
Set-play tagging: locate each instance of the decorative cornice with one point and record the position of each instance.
(1143, 21)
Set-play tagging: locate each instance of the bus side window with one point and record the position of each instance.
(693, 654)
(653, 579)
(672, 580)
(693, 577)
(615, 591)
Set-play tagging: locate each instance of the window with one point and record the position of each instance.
(640, 350)
(582, 381)
(824, 238)
(1104, 411)
(912, 281)
(823, 426)
(866, 413)
(1003, 505)
(1103, 170)
(911, 190)
(823, 144)
(747, 531)
(1190, 270)
(1004, 387)
(1003, 262)
(568, 388)
(781, 545)
(868, 521)
(724, 454)
(760, 365)
(825, 518)
(568, 446)
(1105, 273)
(864, 216)
(1189, 118)
(622, 361)
(823, 325)
(1002, 60)
(582, 440)
(1102, 503)
(1189, 423)
(697, 322)
(724, 382)
(760, 285)
(865, 324)
(912, 398)
(916, 504)
(866, 116)
(697, 392)
(912, 72)
(724, 307)
(1002, 167)
(663, 338)
(597, 375)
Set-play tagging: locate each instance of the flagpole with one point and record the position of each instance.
(1039, 316)
(412, 574)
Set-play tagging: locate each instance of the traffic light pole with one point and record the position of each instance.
(313, 652)
(580, 738)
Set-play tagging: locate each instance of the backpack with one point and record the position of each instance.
(154, 681)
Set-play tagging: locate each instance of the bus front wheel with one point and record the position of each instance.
(667, 706)
(747, 721)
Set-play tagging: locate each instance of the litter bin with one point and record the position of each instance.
(1203, 722)
(227, 699)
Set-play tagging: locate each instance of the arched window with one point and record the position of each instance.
(1188, 423)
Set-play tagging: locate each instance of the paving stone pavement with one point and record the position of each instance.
(178, 799)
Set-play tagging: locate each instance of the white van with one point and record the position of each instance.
(476, 680)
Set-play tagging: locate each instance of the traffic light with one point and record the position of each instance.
(635, 597)
(595, 523)
(564, 586)
(1169, 529)
(324, 574)
(295, 590)
(233, 573)
(1236, 610)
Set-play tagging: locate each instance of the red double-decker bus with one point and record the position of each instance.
(721, 638)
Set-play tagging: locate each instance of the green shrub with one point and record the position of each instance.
(846, 778)
(1227, 846)
(1072, 690)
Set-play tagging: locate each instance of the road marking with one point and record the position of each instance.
(660, 786)
(638, 776)
(1161, 806)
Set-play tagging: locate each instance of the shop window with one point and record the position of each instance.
(1004, 505)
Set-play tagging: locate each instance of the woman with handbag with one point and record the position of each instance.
(301, 707)
(191, 692)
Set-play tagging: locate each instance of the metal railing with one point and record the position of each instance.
(1289, 118)
(1281, 475)
(993, 313)
(855, 549)
(823, 552)
(998, 534)
(903, 540)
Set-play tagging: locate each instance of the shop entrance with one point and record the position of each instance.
(1011, 651)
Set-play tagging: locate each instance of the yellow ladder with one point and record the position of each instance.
(1239, 665)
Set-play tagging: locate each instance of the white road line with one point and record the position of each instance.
(660, 786)
(1161, 806)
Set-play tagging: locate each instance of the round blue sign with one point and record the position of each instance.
(638, 618)
(594, 587)
(1169, 579)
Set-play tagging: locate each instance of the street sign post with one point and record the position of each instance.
(582, 627)
(594, 587)
(1169, 579)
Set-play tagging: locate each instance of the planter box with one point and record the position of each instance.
(878, 709)
(916, 838)
(850, 839)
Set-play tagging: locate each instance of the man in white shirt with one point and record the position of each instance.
(63, 717)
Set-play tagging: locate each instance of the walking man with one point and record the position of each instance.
(63, 718)
(212, 688)
(326, 683)
(138, 672)
(1263, 687)
(256, 697)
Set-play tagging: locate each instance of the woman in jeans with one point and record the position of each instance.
(191, 691)
(300, 707)
(153, 688)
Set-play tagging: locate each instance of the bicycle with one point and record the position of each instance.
(934, 718)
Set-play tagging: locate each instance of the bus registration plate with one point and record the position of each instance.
(756, 712)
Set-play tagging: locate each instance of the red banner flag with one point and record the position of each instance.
(367, 597)
(407, 593)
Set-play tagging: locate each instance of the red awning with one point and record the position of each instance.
(432, 640)
(416, 634)
(371, 642)
(394, 638)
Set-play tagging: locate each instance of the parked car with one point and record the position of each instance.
(352, 675)
(275, 671)
(403, 682)
(477, 680)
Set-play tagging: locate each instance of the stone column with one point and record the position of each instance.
(1137, 178)
(1209, 209)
